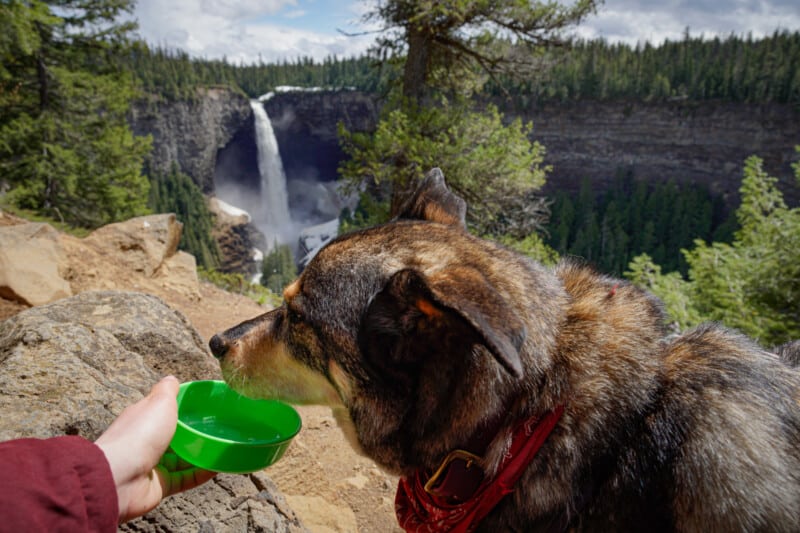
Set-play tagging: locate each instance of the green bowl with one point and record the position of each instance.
(220, 430)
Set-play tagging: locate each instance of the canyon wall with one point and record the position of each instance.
(687, 141)
(190, 133)
(704, 143)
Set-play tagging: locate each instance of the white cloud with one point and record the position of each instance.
(241, 31)
(244, 30)
(633, 21)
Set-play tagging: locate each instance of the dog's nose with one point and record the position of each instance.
(219, 347)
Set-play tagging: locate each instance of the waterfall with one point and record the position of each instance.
(272, 217)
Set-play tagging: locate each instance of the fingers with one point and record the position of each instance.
(176, 475)
(166, 388)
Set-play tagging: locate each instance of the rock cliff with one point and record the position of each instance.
(689, 141)
(704, 143)
(191, 132)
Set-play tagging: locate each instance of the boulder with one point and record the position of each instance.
(145, 242)
(70, 367)
(31, 263)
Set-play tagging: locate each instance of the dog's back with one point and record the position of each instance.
(734, 412)
(699, 432)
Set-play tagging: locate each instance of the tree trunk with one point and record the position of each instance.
(415, 74)
(44, 83)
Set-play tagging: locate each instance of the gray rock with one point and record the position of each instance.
(72, 366)
(226, 504)
(238, 240)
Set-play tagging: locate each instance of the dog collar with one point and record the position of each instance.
(439, 502)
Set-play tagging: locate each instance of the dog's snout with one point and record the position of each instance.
(219, 346)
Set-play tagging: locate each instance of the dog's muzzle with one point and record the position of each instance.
(219, 346)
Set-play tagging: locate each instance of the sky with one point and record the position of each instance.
(274, 30)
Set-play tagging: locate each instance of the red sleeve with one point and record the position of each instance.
(58, 484)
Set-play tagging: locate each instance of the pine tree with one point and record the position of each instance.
(65, 147)
(753, 283)
(175, 192)
(278, 268)
(446, 48)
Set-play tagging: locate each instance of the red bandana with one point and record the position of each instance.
(418, 512)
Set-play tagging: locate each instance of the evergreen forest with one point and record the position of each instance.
(735, 69)
(632, 217)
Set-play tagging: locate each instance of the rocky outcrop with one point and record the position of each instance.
(144, 257)
(32, 262)
(189, 133)
(39, 265)
(702, 142)
(698, 142)
(240, 242)
(144, 243)
(72, 366)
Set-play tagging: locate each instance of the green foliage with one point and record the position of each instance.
(278, 268)
(175, 192)
(487, 163)
(370, 211)
(33, 216)
(753, 283)
(66, 150)
(449, 45)
(735, 68)
(634, 217)
(237, 283)
(534, 247)
(673, 290)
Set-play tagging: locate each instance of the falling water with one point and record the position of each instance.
(272, 216)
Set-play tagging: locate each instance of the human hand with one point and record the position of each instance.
(135, 442)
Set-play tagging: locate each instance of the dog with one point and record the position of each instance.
(512, 397)
(790, 352)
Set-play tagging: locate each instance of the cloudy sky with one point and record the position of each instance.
(246, 30)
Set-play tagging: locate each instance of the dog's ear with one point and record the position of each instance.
(456, 305)
(433, 201)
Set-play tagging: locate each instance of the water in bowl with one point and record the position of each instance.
(225, 429)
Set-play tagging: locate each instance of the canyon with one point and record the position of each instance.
(212, 138)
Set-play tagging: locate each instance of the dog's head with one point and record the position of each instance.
(413, 330)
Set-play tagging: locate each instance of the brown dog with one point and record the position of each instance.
(564, 403)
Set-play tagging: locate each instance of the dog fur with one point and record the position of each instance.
(416, 333)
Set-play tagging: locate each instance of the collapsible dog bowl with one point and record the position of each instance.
(220, 430)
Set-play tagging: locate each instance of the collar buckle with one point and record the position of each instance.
(469, 458)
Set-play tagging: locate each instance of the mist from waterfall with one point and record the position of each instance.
(272, 215)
